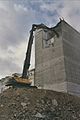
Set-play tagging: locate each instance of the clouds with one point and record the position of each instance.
(68, 9)
(20, 8)
(8, 29)
(7, 65)
(16, 18)
(15, 21)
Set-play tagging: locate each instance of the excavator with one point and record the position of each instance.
(24, 80)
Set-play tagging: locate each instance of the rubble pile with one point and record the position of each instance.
(35, 104)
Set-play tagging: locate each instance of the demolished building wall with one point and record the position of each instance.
(49, 60)
(52, 55)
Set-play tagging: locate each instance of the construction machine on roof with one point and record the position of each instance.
(16, 80)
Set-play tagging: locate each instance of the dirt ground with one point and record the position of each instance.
(36, 104)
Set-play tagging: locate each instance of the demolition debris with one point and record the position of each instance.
(35, 104)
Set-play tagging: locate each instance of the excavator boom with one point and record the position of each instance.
(24, 79)
(28, 55)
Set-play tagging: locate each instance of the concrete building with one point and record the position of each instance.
(57, 59)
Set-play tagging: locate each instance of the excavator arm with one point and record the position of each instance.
(28, 53)
(24, 79)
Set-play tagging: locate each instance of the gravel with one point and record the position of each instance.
(36, 104)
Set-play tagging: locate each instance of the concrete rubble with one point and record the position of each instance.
(36, 104)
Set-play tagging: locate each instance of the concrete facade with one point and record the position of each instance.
(57, 60)
(71, 48)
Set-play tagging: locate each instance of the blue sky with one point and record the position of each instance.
(16, 18)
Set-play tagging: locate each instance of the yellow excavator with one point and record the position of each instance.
(24, 80)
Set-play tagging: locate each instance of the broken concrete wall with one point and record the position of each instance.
(49, 60)
(58, 62)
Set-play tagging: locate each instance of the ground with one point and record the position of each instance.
(35, 104)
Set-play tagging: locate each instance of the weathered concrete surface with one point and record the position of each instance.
(49, 62)
(71, 48)
(57, 67)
